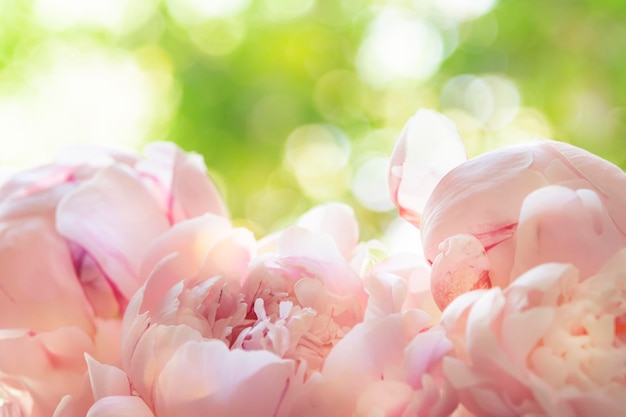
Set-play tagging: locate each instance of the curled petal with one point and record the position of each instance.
(484, 195)
(229, 383)
(152, 353)
(35, 292)
(106, 380)
(428, 147)
(558, 224)
(116, 230)
(120, 406)
(191, 239)
(603, 177)
(337, 220)
(481, 195)
(461, 266)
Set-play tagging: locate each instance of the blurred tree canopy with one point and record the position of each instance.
(297, 102)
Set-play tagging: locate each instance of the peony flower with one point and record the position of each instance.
(496, 216)
(72, 236)
(228, 326)
(551, 344)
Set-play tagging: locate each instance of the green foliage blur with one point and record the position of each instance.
(287, 103)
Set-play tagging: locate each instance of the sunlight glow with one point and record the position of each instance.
(399, 45)
(462, 10)
(492, 100)
(115, 16)
(286, 9)
(369, 185)
(190, 12)
(318, 154)
(82, 94)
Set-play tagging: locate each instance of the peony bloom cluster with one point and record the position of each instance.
(491, 218)
(72, 237)
(294, 325)
(551, 344)
(527, 247)
(127, 291)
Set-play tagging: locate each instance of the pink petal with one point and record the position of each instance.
(422, 353)
(337, 220)
(387, 294)
(384, 399)
(48, 365)
(461, 266)
(32, 201)
(319, 255)
(521, 331)
(228, 383)
(104, 300)
(39, 289)
(106, 380)
(428, 148)
(484, 195)
(558, 224)
(107, 341)
(192, 192)
(416, 272)
(133, 327)
(607, 179)
(115, 229)
(369, 351)
(154, 349)
(473, 199)
(542, 285)
(230, 257)
(120, 406)
(204, 247)
(191, 239)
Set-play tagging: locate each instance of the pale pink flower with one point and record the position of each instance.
(243, 330)
(553, 343)
(72, 237)
(497, 215)
(221, 328)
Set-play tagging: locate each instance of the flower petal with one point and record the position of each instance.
(185, 176)
(558, 224)
(228, 383)
(115, 229)
(106, 380)
(428, 148)
(337, 220)
(120, 406)
(461, 266)
(39, 289)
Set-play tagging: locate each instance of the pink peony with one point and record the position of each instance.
(553, 343)
(228, 326)
(497, 215)
(72, 236)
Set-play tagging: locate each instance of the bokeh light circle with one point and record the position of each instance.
(399, 44)
(317, 155)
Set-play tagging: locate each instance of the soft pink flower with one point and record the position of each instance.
(553, 343)
(227, 326)
(72, 237)
(495, 216)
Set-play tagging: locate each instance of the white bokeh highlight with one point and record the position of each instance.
(399, 44)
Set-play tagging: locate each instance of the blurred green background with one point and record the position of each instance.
(298, 102)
